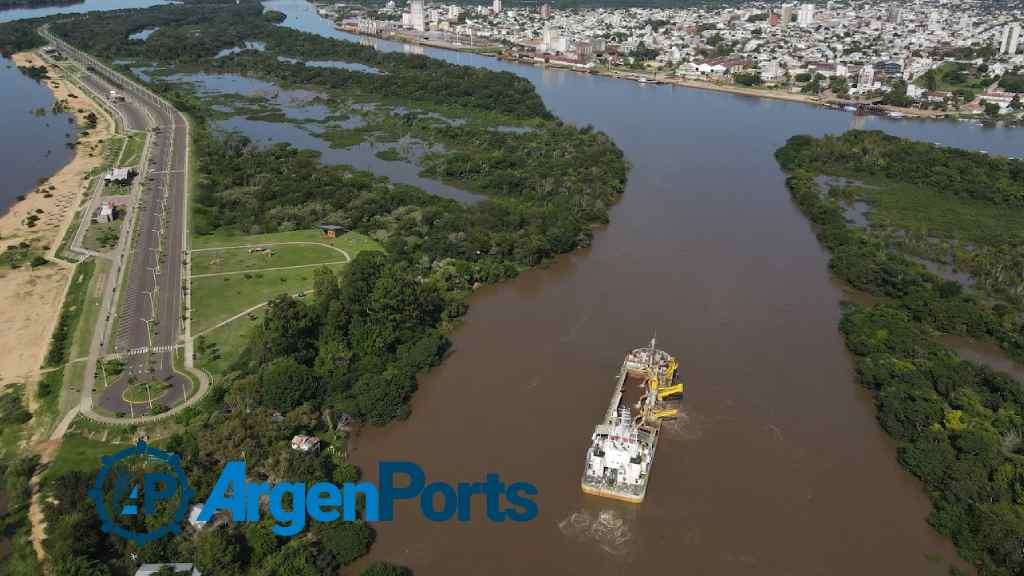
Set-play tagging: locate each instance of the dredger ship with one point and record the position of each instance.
(619, 459)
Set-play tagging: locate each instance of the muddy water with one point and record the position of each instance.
(778, 466)
(984, 353)
(33, 140)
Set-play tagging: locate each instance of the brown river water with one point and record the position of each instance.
(778, 465)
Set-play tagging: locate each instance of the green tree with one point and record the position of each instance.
(379, 568)
(343, 542)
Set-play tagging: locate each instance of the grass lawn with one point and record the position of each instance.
(351, 242)
(217, 298)
(133, 150)
(947, 78)
(941, 215)
(141, 394)
(90, 310)
(101, 236)
(80, 453)
(115, 189)
(224, 344)
(112, 147)
(276, 256)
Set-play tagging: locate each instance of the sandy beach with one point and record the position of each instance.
(34, 296)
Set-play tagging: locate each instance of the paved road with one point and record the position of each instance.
(151, 315)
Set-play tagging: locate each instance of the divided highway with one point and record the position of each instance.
(151, 324)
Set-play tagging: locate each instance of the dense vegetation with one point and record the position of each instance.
(19, 35)
(959, 425)
(871, 153)
(548, 186)
(196, 33)
(356, 346)
(71, 311)
(212, 434)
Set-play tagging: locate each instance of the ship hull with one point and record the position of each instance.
(609, 493)
(619, 462)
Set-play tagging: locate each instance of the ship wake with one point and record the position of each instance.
(607, 529)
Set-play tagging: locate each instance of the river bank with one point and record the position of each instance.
(645, 78)
(39, 291)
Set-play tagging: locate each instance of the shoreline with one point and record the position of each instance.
(40, 291)
(653, 80)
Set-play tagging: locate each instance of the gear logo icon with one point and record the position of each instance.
(108, 475)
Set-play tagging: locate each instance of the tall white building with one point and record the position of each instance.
(419, 22)
(805, 17)
(786, 15)
(454, 12)
(1011, 37)
(866, 77)
(496, 7)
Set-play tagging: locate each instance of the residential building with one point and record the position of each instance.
(786, 16)
(771, 71)
(107, 213)
(894, 14)
(303, 443)
(806, 15)
(120, 176)
(866, 76)
(1011, 37)
(418, 19)
(496, 7)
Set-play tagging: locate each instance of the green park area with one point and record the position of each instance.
(263, 256)
(79, 453)
(145, 392)
(955, 76)
(219, 348)
(243, 280)
(101, 236)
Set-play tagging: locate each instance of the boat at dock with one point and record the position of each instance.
(618, 461)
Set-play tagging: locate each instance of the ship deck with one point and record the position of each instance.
(632, 391)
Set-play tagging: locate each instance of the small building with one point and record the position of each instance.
(306, 444)
(331, 230)
(176, 568)
(107, 213)
(193, 517)
(120, 176)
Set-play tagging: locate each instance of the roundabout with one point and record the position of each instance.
(145, 392)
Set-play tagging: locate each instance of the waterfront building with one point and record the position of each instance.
(454, 12)
(418, 19)
(866, 76)
(584, 51)
(771, 71)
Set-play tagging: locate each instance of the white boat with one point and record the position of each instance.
(618, 461)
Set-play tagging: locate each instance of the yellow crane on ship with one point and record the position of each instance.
(663, 392)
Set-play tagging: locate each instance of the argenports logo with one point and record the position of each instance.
(142, 494)
(147, 475)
